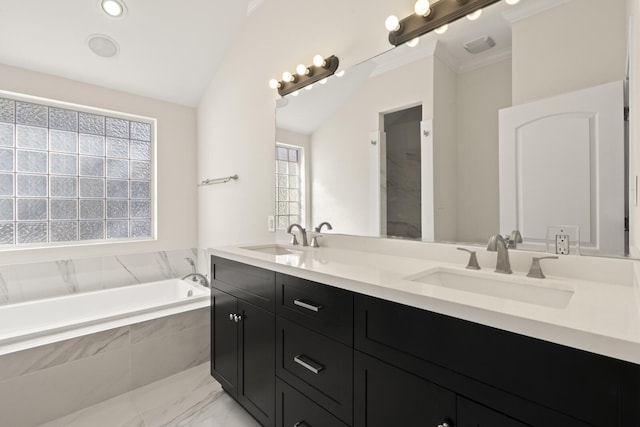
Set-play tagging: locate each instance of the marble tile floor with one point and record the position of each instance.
(189, 398)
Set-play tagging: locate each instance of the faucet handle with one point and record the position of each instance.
(535, 270)
(294, 239)
(314, 241)
(473, 260)
(513, 239)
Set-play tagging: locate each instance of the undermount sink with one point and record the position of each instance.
(274, 250)
(545, 292)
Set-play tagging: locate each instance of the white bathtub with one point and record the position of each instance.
(33, 323)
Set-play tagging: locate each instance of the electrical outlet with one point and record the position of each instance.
(562, 244)
(271, 223)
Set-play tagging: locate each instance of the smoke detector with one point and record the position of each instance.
(479, 45)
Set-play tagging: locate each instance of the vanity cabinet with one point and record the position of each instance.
(302, 353)
(243, 336)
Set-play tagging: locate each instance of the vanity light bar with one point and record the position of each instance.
(441, 13)
(321, 69)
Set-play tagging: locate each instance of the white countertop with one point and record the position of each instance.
(601, 317)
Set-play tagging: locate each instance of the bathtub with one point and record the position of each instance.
(45, 321)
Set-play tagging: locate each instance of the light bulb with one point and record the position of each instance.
(512, 2)
(112, 7)
(392, 23)
(287, 76)
(422, 8)
(319, 61)
(274, 84)
(442, 30)
(340, 73)
(413, 42)
(296, 93)
(309, 87)
(302, 69)
(474, 15)
(323, 81)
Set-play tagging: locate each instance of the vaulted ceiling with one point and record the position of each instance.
(168, 49)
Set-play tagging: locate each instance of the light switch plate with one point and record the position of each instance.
(271, 223)
(562, 244)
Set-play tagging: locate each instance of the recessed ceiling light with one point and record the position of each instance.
(103, 46)
(113, 8)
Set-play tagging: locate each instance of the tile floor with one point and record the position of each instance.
(190, 398)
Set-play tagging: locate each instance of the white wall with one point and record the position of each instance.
(236, 115)
(176, 152)
(583, 45)
(341, 191)
(481, 93)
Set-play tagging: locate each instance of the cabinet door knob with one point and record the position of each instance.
(237, 318)
(231, 316)
(300, 424)
(443, 425)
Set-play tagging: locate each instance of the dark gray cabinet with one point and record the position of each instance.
(243, 336)
(299, 353)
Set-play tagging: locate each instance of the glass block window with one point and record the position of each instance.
(73, 175)
(289, 207)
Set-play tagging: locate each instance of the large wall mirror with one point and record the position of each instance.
(514, 121)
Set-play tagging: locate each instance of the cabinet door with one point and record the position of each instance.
(471, 414)
(295, 409)
(224, 340)
(387, 396)
(256, 360)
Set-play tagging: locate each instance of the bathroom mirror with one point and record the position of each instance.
(523, 128)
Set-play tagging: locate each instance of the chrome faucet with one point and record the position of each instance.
(198, 278)
(303, 233)
(318, 229)
(497, 244)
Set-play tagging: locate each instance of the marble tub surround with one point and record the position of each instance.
(24, 282)
(44, 383)
(190, 398)
(602, 315)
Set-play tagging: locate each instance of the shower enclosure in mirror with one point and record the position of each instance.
(438, 143)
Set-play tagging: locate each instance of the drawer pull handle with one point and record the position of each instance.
(300, 424)
(309, 364)
(307, 305)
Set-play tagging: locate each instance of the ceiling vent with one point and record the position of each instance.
(103, 45)
(479, 45)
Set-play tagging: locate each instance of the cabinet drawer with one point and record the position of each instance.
(550, 375)
(319, 367)
(295, 409)
(471, 414)
(249, 283)
(323, 308)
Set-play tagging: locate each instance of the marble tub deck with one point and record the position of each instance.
(189, 398)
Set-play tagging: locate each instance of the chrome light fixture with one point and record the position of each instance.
(429, 17)
(305, 76)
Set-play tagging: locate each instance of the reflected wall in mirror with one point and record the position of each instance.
(528, 134)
